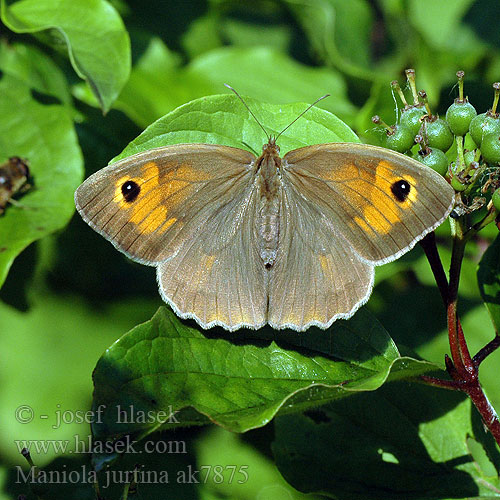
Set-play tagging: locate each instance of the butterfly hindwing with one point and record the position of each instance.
(218, 277)
(314, 280)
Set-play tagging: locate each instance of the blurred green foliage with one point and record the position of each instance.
(79, 80)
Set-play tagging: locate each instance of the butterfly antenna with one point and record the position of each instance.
(302, 114)
(249, 110)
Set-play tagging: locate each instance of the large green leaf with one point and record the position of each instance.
(93, 32)
(44, 135)
(403, 441)
(158, 84)
(223, 119)
(335, 37)
(239, 381)
(52, 353)
(488, 276)
(255, 475)
(35, 69)
(440, 25)
(269, 75)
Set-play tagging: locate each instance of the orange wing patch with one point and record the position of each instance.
(157, 193)
(373, 195)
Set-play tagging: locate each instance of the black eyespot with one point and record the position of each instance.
(401, 189)
(130, 191)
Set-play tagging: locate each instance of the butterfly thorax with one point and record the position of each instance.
(268, 217)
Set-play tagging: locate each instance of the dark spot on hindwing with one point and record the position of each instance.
(401, 189)
(130, 191)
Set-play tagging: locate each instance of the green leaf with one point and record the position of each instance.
(202, 35)
(35, 69)
(238, 471)
(67, 335)
(403, 441)
(488, 276)
(335, 37)
(269, 75)
(223, 119)
(242, 33)
(239, 381)
(92, 31)
(158, 85)
(439, 22)
(43, 135)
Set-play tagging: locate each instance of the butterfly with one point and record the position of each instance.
(244, 240)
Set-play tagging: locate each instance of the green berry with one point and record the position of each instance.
(459, 115)
(458, 185)
(439, 135)
(399, 138)
(490, 148)
(496, 200)
(410, 117)
(482, 125)
(435, 159)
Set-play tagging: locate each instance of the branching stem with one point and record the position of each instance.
(461, 367)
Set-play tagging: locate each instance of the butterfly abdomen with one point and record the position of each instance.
(268, 217)
(268, 221)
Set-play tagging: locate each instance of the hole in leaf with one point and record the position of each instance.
(318, 416)
(45, 99)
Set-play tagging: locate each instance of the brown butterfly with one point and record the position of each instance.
(244, 241)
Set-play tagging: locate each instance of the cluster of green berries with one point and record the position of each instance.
(435, 136)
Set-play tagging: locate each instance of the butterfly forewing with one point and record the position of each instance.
(380, 201)
(151, 204)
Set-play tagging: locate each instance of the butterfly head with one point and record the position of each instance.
(271, 148)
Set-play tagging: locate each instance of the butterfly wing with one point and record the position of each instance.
(188, 210)
(344, 209)
(149, 204)
(380, 201)
(218, 277)
(316, 278)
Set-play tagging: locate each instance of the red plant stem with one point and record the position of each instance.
(461, 367)
(439, 382)
(464, 349)
(475, 392)
(429, 246)
(488, 413)
(453, 338)
(458, 346)
(486, 351)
